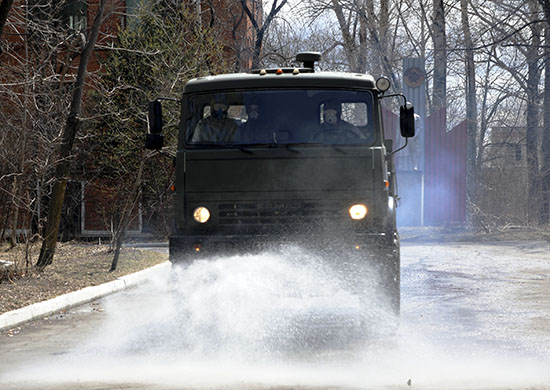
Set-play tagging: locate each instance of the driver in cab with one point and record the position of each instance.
(216, 127)
(334, 129)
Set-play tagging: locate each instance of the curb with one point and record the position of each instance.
(76, 298)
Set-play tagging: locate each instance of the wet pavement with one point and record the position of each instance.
(474, 316)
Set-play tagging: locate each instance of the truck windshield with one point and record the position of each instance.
(333, 117)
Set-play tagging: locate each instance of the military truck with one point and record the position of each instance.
(287, 155)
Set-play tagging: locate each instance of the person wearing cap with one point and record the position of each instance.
(216, 127)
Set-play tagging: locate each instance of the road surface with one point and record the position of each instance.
(474, 316)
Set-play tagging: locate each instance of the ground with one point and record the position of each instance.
(461, 234)
(76, 265)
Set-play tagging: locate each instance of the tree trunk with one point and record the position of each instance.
(349, 41)
(380, 46)
(471, 111)
(545, 136)
(439, 99)
(483, 125)
(72, 127)
(126, 214)
(260, 28)
(363, 43)
(15, 213)
(532, 137)
(384, 36)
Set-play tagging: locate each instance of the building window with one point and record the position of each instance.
(75, 14)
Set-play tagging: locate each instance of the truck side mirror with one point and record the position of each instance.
(406, 120)
(154, 139)
(155, 117)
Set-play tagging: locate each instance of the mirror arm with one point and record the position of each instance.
(162, 152)
(402, 147)
(169, 99)
(169, 155)
(394, 95)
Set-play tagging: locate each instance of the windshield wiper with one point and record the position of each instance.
(288, 147)
(333, 146)
(223, 146)
(337, 148)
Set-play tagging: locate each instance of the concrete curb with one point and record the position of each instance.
(75, 298)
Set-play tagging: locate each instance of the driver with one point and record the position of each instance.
(216, 127)
(332, 113)
(334, 128)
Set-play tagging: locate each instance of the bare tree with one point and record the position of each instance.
(545, 137)
(129, 206)
(261, 26)
(70, 131)
(154, 61)
(33, 97)
(440, 55)
(471, 107)
(533, 57)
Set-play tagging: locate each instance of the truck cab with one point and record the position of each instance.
(280, 156)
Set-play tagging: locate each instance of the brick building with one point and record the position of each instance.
(36, 62)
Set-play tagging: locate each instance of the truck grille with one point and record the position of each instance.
(277, 213)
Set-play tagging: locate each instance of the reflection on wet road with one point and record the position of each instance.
(473, 316)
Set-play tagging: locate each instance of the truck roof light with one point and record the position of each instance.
(383, 84)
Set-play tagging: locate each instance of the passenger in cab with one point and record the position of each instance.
(253, 130)
(216, 127)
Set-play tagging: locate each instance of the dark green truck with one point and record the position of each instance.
(281, 156)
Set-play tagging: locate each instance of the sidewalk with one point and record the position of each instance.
(76, 298)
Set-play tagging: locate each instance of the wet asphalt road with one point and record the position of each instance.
(474, 316)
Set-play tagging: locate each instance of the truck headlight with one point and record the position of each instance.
(201, 214)
(358, 211)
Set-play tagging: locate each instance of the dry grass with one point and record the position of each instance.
(75, 266)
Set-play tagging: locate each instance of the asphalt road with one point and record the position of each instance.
(474, 316)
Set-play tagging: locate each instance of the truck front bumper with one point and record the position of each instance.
(188, 248)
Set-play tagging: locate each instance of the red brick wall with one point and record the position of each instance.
(98, 207)
(235, 30)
